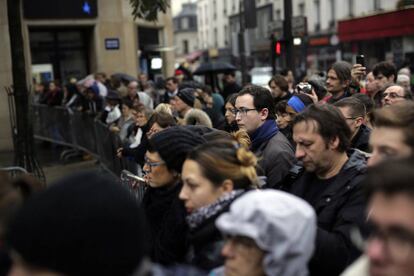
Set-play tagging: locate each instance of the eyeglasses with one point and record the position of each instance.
(398, 243)
(242, 111)
(352, 118)
(152, 164)
(391, 95)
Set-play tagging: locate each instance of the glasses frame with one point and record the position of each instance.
(152, 164)
(242, 111)
(387, 241)
(394, 95)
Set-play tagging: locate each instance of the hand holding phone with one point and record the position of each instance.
(358, 69)
(360, 59)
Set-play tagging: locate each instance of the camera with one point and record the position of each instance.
(304, 88)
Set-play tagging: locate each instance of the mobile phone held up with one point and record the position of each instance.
(360, 59)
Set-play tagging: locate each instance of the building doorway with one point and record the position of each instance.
(66, 51)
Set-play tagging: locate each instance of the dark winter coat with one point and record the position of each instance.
(54, 97)
(276, 157)
(206, 243)
(361, 139)
(137, 153)
(286, 97)
(339, 208)
(230, 88)
(288, 132)
(165, 214)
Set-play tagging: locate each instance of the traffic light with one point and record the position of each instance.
(278, 48)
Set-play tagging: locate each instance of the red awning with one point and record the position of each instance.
(193, 56)
(396, 23)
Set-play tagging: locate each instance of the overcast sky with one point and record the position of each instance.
(176, 5)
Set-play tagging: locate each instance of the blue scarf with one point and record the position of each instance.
(263, 134)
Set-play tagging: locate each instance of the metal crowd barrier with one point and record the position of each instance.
(80, 131)
(13, 171)
(136, 185)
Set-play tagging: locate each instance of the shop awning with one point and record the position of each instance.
(194, 55)
(396, 23)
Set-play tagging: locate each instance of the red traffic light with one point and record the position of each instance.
(278, 48)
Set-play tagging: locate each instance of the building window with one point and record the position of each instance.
(214, 10)
(264, 16)
(184, 23)
(207, 39)
(301, 9)
(233, 6)
(278, 15)
(215, 38)
(225, 7)
(333, 9)
(185, 47)
(377, 5)
(206, 13)
(351, 8)
(226, 35)
(176, 25)
(317, 15)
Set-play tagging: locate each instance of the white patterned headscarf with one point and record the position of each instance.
(282, 225)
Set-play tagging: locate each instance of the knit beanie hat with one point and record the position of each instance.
(173, 144)
(187, 96)
(85, 224)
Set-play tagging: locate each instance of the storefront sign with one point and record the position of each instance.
(60, 9)
(319, 41)
(112, 43)
(299, 26)
(276, 28)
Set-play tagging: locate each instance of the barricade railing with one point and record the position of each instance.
(80, 131)
(136, 185)
(13, 171)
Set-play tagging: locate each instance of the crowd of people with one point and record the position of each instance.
(309, 178)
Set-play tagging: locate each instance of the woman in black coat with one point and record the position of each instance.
(165, 213)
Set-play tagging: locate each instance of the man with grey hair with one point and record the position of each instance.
(134, 96)
(404, 81)
(395, 93)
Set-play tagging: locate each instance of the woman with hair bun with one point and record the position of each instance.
(214, 175)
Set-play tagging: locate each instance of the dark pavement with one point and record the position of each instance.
(54, 167)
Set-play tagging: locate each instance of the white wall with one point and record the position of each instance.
(360, 8)
(208, 24)
(206, 28)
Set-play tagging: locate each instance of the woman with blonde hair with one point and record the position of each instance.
(164, 107)
(214, 174)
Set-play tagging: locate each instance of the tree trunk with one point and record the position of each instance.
(24, 138)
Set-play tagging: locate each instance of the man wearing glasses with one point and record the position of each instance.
(394, 94)
(354, 113)
(389, 249)
(255, 113)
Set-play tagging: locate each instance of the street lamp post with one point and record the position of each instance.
(290, 59)
(242, 47)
